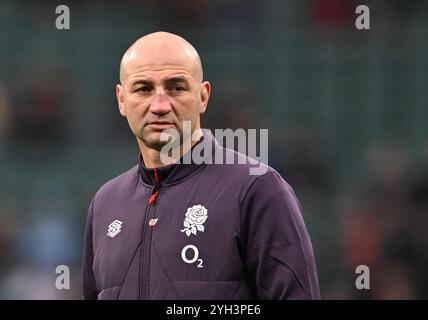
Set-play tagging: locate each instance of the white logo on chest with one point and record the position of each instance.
(194, 220)
(114, 228)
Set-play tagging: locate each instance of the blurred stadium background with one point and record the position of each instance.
(347, 113)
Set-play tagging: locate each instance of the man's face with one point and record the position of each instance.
(159, 93)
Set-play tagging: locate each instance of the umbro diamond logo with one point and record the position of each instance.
(114, 228)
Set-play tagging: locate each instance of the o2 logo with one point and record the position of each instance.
(190, 254)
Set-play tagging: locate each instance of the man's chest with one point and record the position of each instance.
(187, 236)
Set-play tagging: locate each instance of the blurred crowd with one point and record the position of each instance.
(364, 194)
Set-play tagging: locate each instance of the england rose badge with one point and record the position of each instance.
(194, 219)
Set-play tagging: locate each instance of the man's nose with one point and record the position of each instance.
(160, 103)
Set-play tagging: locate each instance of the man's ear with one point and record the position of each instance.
(120, 99)
(205, 95)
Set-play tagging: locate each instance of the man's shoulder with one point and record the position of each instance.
(238, 165)
(255, 181)
(121, 183)
(246, 173)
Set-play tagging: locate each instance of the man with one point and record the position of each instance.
(168, 230)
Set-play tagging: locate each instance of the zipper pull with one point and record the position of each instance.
(155, 190)
(153, 197)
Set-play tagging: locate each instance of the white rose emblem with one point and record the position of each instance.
(194, 220)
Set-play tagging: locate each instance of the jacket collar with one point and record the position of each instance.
(178, 171)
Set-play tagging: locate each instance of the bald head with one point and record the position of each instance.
(160, 50)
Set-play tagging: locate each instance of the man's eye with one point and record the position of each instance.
(178, 88)
(175, 88)
(144, 89)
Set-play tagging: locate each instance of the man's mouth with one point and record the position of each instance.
(160, 124)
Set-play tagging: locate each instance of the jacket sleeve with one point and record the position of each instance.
(89, 287)
(277, 251)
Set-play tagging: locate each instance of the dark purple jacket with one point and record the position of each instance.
(197, 231)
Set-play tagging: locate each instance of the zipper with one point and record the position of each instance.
(147, 239)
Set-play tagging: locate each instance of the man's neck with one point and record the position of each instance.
(152, 157)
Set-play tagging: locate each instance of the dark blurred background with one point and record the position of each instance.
(346, 111)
